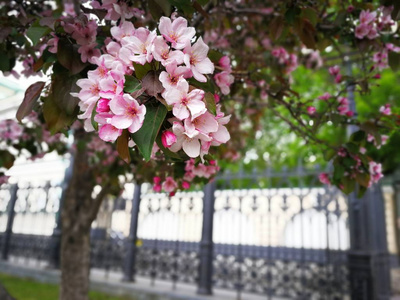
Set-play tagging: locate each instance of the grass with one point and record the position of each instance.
(28, 289)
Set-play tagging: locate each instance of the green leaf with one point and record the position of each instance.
(338, 172)
(358, 136)
(141, 70)
(215, 56)
(292, 13)
(146, 135)
(69, 57)
(348, 184)
(35, 32)
(94, 123)
(210, 103)
(363, 179)
(30, 98)
(132, 84)
(152, 84)
(183, 5)
(352, 147)
(329, 154)
(206, 86)
(310, 14)
(159, 8)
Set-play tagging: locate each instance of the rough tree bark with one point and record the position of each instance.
(78, 213)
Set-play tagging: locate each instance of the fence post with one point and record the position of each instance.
(10, 221)
(130, 259)
(206, 243)
(368, 257)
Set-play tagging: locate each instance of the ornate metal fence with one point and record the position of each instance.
(271, 233)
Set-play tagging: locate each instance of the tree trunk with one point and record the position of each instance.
(77, 215)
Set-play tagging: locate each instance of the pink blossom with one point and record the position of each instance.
(88, 52)
(109, 133)
(196, 59)
(52, 43)
(342, 152)
(362, 30)
(185, 185)
(123, 30)
(162, 53)
(173, 75)
(156, 180)
(168, 138)
(385, 110)
(192, 146)
(343, 107)
(176, 32)
(334, 70)
(169, 185)
(363, 150)
(375, 171)
(128, 113)
(367, 17)
(325, 97)
(324, 178)
(225, 63)
(224, 81)
(184, 103)
(311, 110)
(140, 45)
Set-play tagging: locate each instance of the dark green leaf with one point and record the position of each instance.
(348, 184)
(30, 98)
(141, 70)
(183, 5)
(352, 147)
(338, 172)
(146, 135)
(214, 56)
(132, 84)
(363, 179)
(358, 136)
(159, 8)
(292, 13)
(35, 32)
(329, 154)
(94, 123)
(210, 103)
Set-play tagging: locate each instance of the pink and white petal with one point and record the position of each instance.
(205, 66)
(180, 111)
(109, 133)
(121, 121)
(221, 135)
(197, 108)
(118, 105)
(191, 147)
(198, 76)
(175, 147)
(136, 125)
(200, 49)
(165, 26)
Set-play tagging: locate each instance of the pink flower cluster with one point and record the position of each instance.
(194, 128)
(367, 27)
(170, 185)
(117, 9)
(10, 131)
(84, 32)
(381, 58)
(375, 171)
(335, 72)
(286, 59)
(224, 79)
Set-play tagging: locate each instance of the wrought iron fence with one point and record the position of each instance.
(271, 233)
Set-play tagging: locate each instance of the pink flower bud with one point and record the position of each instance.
(350, 8)
(311, 110)
(334, 70)
(157, 188)
(323, 177)
(168, 138)
(103, 106)
(216, 98)
(185, 185)
(156, 180)
(225, 63)
(377, 76)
